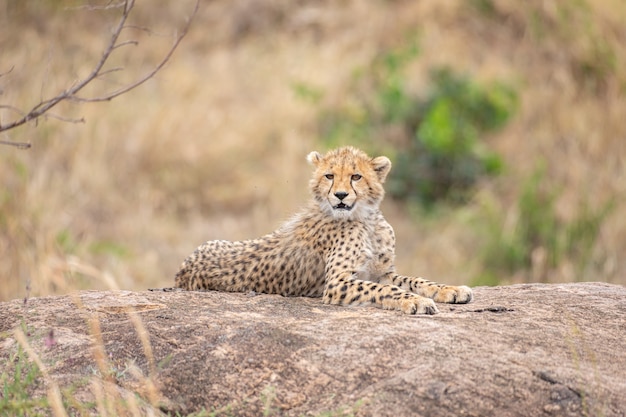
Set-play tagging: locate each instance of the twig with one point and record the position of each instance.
(149, 75)
(71, 93)
(109, 6)
(2, 74)
(12, 108)
(135, 43)
(65, 119)
(110, 71)
(19, 145)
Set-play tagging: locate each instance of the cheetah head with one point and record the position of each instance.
(347, 183)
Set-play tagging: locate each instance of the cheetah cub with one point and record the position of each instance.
(340, 247)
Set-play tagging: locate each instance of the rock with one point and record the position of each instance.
(521, 350)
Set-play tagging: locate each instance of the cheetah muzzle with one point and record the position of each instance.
(339, 247)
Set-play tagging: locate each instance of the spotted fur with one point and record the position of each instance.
(340, 247)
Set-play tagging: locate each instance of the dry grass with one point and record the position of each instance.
(101, 392)
(214, 146)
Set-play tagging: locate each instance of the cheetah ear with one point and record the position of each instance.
(314, 158)
(382, 166)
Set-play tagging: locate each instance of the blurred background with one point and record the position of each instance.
(505, 121)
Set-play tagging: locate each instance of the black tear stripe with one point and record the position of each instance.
(332, 182)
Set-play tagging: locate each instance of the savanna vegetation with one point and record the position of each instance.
(504, 121)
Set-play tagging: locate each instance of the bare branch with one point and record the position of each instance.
(64, 119)
(145, 77)
(71, 93)
(109, 6)
(110, 71)
(19, 145)
(119, 45)
(12, 108)
(142, 29)
(2, 74)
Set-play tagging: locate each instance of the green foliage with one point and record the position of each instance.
(342, 411)
(582, 233)
(268, 397)
(17, 380)
(224, 412)
(307, 92)
(65, 241)
(445, 157)
(109, 247)
(538, 239)
(68, 244)
(395, 102)
(485, 7)
(441, 155)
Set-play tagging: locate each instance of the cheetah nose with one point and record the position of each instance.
(341, 195)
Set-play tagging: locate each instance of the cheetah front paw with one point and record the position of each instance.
(454, 295)
(418, 305)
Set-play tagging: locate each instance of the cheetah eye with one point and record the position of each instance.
(329, 176)
(356, 177)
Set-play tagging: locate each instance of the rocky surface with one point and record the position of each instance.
(522, 350)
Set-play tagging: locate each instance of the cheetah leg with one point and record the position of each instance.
(441, 293)
(349, 291)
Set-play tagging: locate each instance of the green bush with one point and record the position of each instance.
(439, 155)
(445, 157)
